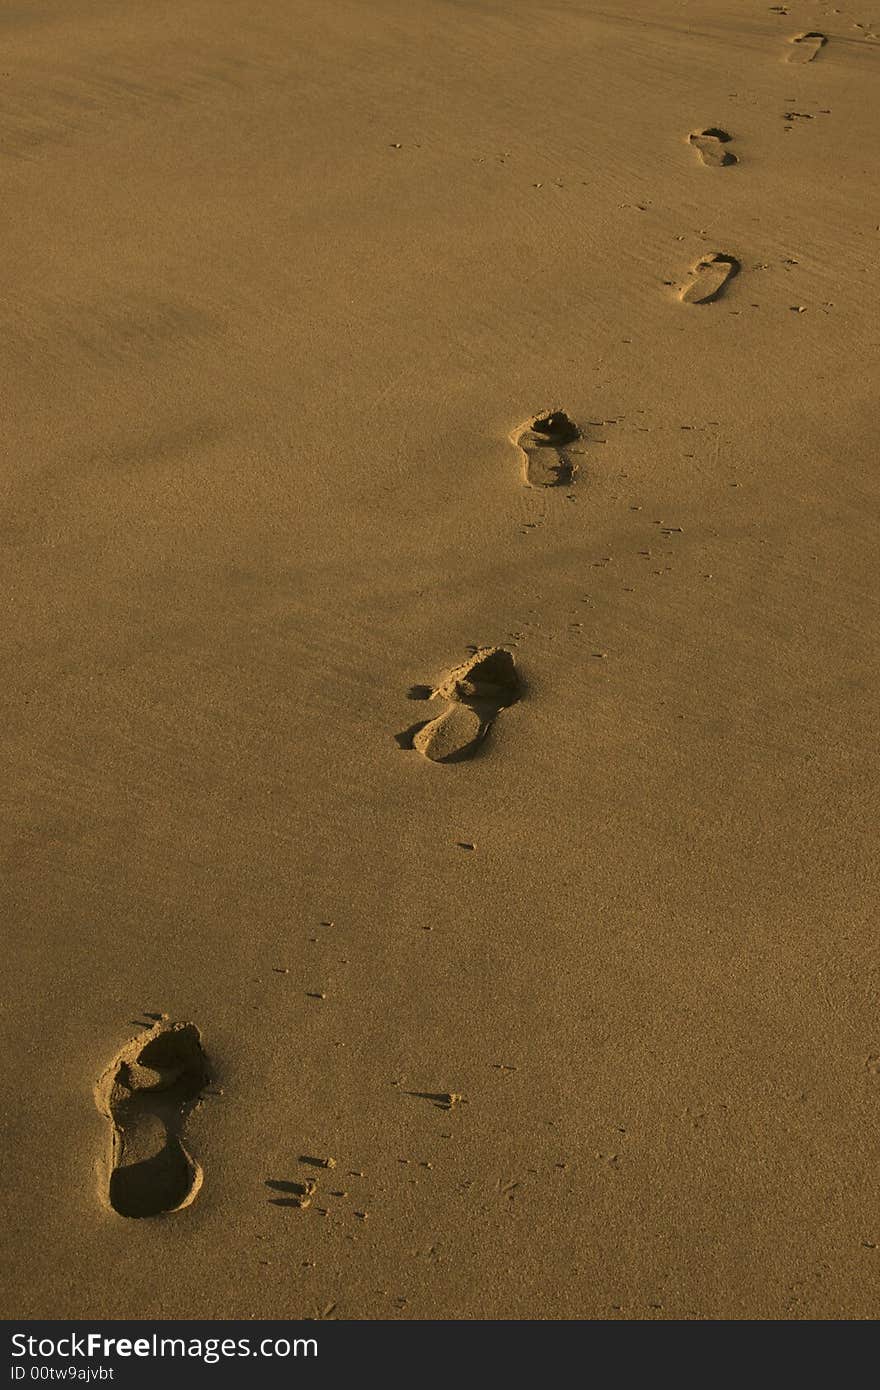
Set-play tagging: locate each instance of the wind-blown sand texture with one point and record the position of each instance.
(568, 1008)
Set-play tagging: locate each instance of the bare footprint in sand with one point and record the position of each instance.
(805, 47)
(477, 691)
(545, 443)
(710, 275)
(148, 1094)
(711, 145)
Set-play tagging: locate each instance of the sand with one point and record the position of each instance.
(587, 1016)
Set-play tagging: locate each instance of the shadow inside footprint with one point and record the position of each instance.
(477, 691)
(805, 47)
(711, 143)
(148, 1094)
(544, 441)
(710, 276)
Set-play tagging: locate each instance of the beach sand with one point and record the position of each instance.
(588, 1020)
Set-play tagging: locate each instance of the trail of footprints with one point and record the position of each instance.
(159, 1078)
(710, 276)
(477, 691)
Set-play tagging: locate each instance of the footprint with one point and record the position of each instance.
(148, 1094)
(805, 47)
(710, 144)
(477, 691)
(543, 441)
(711, 274)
